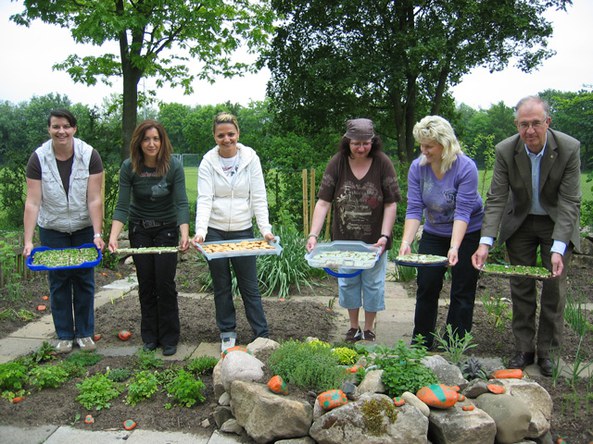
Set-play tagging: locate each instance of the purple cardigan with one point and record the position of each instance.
(455, 197)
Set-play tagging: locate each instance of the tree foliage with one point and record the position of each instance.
(394, 61)
(156, 38)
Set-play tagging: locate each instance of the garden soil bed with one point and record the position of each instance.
(292, 318)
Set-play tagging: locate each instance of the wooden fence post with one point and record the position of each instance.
(305, 202)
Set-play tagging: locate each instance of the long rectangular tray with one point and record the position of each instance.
(346, 254)
(277, 250)
(147, 250)
(41, 267)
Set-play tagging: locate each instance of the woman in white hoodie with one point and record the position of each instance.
(231, 190)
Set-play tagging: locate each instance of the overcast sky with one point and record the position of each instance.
(29, 53)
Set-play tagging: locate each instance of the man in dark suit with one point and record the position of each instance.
(534, 201)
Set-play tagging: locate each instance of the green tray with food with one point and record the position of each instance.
(525, 271)
(45, 258)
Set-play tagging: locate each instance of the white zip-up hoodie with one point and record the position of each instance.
(229, 204)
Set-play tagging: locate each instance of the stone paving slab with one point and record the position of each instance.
(13, 435)
(12, 348)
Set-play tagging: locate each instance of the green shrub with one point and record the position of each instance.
(201, 365)
(48, 376)
(143, 386)
(97, 391)
(345, 355)
(186, 390)
(13, 376)
(402, 369)
(309, 366)
(119, 374)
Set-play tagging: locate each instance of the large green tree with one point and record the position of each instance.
(394, 60)
(157, 38)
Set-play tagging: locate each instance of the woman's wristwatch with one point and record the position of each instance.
(386, 236)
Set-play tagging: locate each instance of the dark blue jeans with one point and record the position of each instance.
(245, 268)
(72, 292)
(156, 283)
(464, 278)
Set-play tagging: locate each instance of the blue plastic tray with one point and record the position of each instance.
(89, 264)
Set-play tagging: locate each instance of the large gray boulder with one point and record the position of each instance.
(240, 366)
(266, 416)
(372, 419)
(510, 414)
(456, 426)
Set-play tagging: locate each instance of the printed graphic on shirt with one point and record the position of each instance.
(355, 205)
(160, 189)
(441, 201)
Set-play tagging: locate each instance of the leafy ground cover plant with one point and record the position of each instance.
(146, 360)
(13, 376)
(97, 391)
(186, 390)
(402, 369)
(143, 386)
(498, 309)
(307, 365)
(346, 356)
(48, 376)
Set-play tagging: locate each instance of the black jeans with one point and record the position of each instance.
(430, 283)
(245, 268)
(156, 283)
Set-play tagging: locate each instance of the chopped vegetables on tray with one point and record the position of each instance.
(65, 257)
(517, 270)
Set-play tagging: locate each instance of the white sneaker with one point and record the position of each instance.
(86, 344)
(227, 343)
(64, 346)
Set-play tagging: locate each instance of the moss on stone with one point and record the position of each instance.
(373, 412)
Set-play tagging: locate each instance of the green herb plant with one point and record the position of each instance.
(402, 368)
(575, 315)
(146, 360)
(345, 355)
(201, 365)
(307, 365)
(498, 309)
(48, 376)
(186, 390)
(143, 386)
(13, 376)
(119, 374)
(452, 344)
(97, 391)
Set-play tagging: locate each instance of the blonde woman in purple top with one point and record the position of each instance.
(443, 189)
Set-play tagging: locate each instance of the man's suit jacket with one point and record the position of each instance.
(509, 198)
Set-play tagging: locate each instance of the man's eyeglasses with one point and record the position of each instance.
(536, 124)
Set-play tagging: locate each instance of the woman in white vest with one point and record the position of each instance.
(64, 179)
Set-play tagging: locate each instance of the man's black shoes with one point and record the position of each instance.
(546, 366)
(522, 360)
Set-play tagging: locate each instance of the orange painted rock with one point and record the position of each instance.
(232, 349)
(41, 307)
(496, 389)
(124, 335)
(88, 419)
(277, 385)
(17, 399)
(508, 373)
(97, 337)
(398, 401)
(440, 396)
(129, 424)
(331, 399)
(354, 368)
(460, 397)
(45, 298)
(468, 408)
